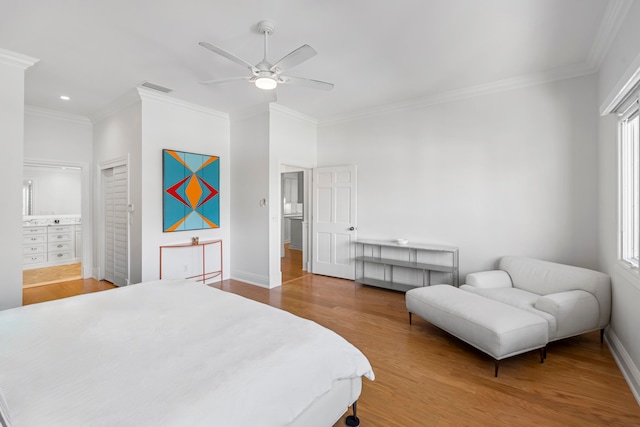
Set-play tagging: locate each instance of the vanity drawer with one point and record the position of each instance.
(28, 231)
(36, 258)
(59, 246)
(36, 238)
(59, 237)
(34, 249)
(54, 229)
(59, 256)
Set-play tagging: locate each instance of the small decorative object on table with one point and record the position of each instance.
(195, 240)
(402, 241)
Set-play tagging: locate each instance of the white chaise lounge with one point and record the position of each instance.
(571, 301)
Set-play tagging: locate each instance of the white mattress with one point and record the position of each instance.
(167, 353)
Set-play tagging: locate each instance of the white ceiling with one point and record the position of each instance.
(376, 53)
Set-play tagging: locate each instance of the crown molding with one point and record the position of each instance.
(150, 94)
(562, 73)
(56, 115)
(17, 59)
(610, 24)
(628, 83)
(277, 108)
(122, 102)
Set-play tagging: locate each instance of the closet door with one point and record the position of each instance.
(116, 225)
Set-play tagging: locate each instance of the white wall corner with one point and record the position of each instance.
(610, 24)
(624, 361)
(17, 59)
(56, 115)
(131, 97)
(273, 107)
(252, 279)
(629, 82)
(150, 94)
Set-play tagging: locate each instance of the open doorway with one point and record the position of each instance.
(52, 222)
(294, 222)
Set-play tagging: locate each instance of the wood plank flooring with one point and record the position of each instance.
(291, 264)
(425, 377)
(48, 275)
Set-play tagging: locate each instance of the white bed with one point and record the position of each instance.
(171, 353)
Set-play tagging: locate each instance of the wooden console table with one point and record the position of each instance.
(205, 276)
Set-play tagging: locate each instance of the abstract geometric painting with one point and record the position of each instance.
(191, 199)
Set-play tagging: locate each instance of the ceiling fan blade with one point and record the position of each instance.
(294, 58)
(228, 55)
(300, 81)
(228, 79)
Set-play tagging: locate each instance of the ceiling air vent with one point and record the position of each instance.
(156, 87)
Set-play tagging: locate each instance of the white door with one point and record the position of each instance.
(116, 225)
(334, 221)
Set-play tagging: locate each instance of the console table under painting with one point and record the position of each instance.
(390, 265)
(184, 259)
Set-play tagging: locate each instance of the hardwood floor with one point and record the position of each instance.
(35, 294)
(291, 264)
(425, 377)
(47, 275)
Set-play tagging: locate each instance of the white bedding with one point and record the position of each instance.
(167, 353)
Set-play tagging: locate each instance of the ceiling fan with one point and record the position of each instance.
(268, 76)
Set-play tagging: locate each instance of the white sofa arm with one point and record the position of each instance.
(575, 311)
(489, 279)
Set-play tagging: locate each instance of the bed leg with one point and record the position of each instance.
(352, 420)
(601, 336)
(410, 318)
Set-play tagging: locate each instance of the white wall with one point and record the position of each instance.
(171, 124)
(293, 139)
(55, 136)
(117, 136)
(510, 173)
(250, 225)
(622, 59)
(12, 68)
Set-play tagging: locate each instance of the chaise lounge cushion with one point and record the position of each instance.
(498, 329)
(518, 298)
(544, 278)
(574, 312)
(573, 300)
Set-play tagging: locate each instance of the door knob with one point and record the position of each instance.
(352, 228)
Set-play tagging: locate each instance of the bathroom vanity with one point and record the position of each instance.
(51, 240)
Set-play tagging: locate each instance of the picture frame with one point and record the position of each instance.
(191, 191)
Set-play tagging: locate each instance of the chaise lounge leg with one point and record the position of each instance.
(352, 420)
(497, 366)
(543, 354)
(601, 336)
(409, 317)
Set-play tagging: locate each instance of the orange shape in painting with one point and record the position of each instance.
(193, 191)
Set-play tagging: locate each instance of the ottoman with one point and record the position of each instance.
(498, 329)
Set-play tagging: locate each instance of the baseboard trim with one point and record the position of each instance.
(629, 370)
(250, 278)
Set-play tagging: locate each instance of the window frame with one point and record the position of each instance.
(629, 181)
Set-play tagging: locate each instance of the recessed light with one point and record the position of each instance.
(64, 97)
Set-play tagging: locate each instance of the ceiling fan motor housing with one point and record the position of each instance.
(266, 26)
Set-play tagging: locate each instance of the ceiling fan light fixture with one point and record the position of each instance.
(266, 83)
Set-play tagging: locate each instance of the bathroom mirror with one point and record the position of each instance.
(51, 189)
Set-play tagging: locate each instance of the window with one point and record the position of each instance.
(629, 148)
